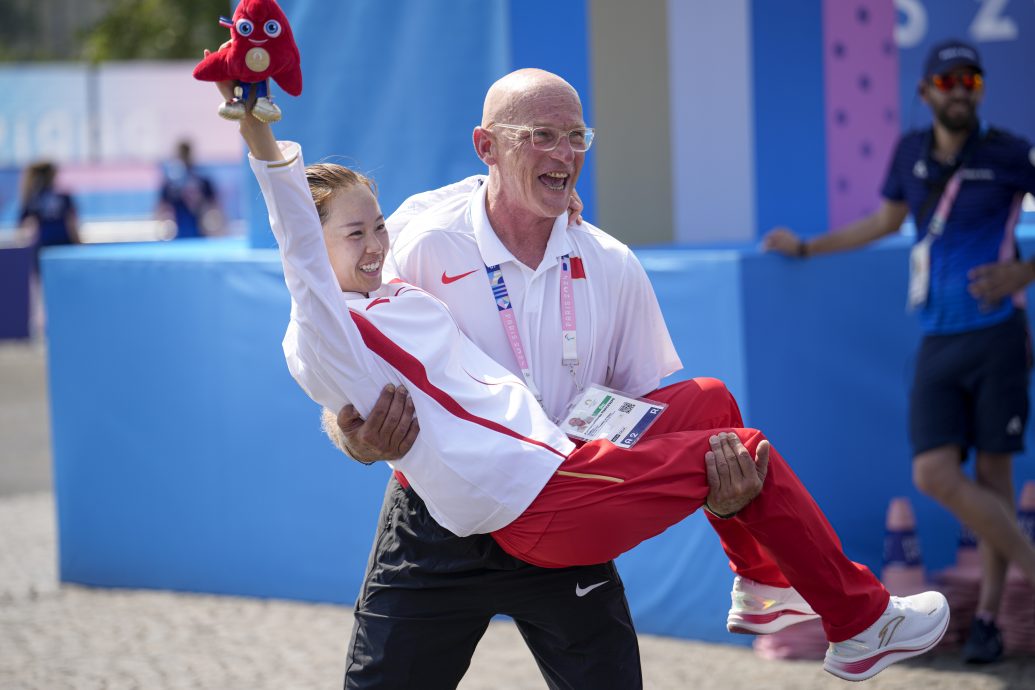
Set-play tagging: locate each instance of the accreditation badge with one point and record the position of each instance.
(919, 273)
(598, 412)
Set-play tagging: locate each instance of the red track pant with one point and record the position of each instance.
(605, 500)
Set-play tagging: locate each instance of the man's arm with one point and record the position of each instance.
(885, 220)
(387, 433)
(993, 282)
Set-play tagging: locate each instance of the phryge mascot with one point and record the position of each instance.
(261, 47)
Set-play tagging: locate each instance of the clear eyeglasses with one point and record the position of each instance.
(547, 138)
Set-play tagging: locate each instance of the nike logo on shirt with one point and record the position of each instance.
(583, 591)
(446, 280)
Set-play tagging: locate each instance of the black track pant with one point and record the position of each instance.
(428, 597)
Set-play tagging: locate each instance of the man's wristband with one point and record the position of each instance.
(721, 517)
(803, 249)
(352, 454)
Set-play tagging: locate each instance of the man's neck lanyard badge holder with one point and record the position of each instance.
(569, 345)
(920, 255)
(596, 412)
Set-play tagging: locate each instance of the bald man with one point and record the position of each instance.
(562, 305)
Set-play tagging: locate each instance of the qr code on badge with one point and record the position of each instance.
(627, 407)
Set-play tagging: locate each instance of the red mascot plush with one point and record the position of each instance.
(261, 47)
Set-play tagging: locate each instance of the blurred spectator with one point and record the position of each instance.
(47, 216)
(188, 198)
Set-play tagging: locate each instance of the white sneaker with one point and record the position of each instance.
(760, 609)
(909, 627)
(231, 110)
(265, 110)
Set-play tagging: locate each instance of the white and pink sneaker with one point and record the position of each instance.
(760, 609)
(909, 627)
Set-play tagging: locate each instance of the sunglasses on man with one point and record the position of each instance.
(970, 81)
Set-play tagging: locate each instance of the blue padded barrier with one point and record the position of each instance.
(186, 458)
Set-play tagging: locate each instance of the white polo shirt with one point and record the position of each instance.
(485, 449)
(443, 242)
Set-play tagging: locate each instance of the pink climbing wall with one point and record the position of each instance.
(862, 103)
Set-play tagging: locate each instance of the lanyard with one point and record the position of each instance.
(569, 353)
(941, 213)
(920, 254)
(569, 347)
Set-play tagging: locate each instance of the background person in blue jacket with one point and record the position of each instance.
(963, 181)
(188, 198)
(47, 215)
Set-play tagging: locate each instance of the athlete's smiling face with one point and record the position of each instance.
(356, 238)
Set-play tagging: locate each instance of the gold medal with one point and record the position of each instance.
(257, 59)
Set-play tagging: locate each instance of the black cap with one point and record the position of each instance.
(949, 55)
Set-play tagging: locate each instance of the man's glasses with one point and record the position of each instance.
(968, 80)
(547, 138)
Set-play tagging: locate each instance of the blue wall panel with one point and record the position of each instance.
(790, 143)
(831, 348)
(554, 36)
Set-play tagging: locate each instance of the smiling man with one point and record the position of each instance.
(963, 182)
(502, 247)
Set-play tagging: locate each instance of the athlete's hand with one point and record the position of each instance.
(575, 209)
(387, 433)
(992, 282)
(734, 477)
(782, 241)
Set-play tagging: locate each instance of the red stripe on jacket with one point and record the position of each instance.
(412, 368)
